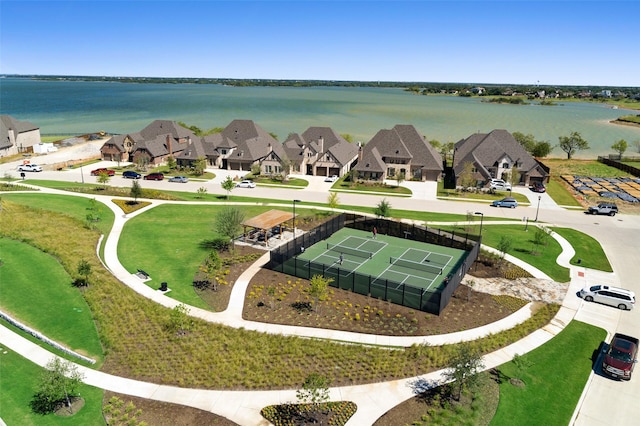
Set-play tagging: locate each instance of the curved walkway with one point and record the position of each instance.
(243, 407)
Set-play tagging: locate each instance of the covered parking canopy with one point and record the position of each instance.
(266, 221)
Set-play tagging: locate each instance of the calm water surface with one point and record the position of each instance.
(85, 107)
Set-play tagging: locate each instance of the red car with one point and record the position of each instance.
(96, 172)
(154, 176)
(538, 187)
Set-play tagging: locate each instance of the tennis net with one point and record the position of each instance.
(415, 265)
(349, 250)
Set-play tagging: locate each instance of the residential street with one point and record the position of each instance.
(604, 401)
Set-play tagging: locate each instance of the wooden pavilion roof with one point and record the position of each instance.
(268, 220)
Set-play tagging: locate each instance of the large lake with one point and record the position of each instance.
(85, 107)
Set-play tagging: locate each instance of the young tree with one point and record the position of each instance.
(333, 201)
(285, 163)
(399, 178)
(572, 143)
(171, 163)
(383, 208)
(318, 289)
(514, 176)
(84, 270)
(522, 363)
(504, 245)
(539, 239)
(179, 320)
(210, 268)
(199, 166)
(58, 385)
(463, 368)
(228, 222)
(466, 179)
(315, 390)
(103, 178)
(201, 192)
(228, 184)
(620, 147)
(353, 177)
(136, 191)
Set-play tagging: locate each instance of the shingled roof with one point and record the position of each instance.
(252, 141)
(487, 149)
(7, 122)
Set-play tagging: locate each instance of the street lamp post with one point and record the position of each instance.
(294, 217)
(479, 239)
(538, 208)
(481, 219)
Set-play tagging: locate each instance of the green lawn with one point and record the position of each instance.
(479, 196)
(553, 383)
(42, 297)
(588, 250)
(560, 194)
(76, 207)
(19, 381)
(164, 242)
(341, 185)
(523, 245)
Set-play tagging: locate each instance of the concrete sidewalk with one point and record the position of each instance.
(373, 400)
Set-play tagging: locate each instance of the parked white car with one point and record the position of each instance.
(331, 178)
(608, 295)
(246, 184)
(499, 185)
(29, 168)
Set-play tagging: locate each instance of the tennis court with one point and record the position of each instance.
(389, 262)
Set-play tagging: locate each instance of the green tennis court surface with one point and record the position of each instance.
(390, 261)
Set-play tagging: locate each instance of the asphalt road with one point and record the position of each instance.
(605, 401)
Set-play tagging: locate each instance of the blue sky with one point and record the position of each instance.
(512, 41)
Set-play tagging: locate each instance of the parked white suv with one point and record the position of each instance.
(499, 185)
(613, 296)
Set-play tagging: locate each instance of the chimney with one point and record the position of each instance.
(169, 144)
(321, 144)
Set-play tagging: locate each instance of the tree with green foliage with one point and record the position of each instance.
(58, 385)
(333, 201)
(319, 288)
(228, 184)
(136, 191)
(383, 208)
(315, 390)
(399, 177)
(171, 163)
(504, 245)
(201, 192)
(513, 177)
(179, 320)
(199, 166)
(255, 170)
(84, 270)
(539, 239)
(103, 178)
(521, 363)
(353, 177)
(572, 143)
(542, 149)
(463, 368)
(620, 147)
(211, 267)
(228, 223)
(347, 137)
(435, 144)
(466, 178)
(536, 148)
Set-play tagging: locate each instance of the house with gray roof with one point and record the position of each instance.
(494, 155)
(17, 136)
(320, 151)
(152, 145)
(399, 150)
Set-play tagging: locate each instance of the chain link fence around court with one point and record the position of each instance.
(284, 259)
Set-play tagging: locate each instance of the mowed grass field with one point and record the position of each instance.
(42, 297)
(165, 243)
(553, 383)
(19, 381)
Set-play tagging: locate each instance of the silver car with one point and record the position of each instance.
(246, 184)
